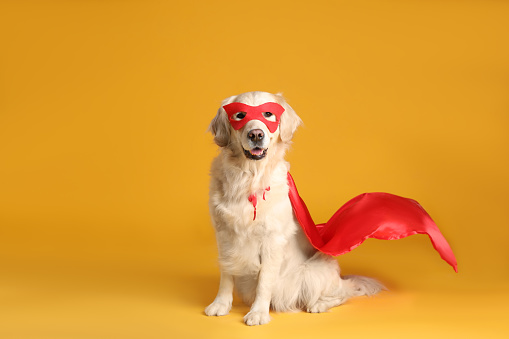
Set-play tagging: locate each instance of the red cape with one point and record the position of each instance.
(369, 215)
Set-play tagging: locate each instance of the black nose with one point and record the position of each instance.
(255, 135)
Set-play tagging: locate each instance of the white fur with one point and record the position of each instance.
(269, 260)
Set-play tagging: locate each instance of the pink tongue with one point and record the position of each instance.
(256, 151)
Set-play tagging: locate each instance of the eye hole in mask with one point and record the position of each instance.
(239, 116)
(269, 116)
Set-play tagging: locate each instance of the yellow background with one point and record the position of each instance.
(104, 158)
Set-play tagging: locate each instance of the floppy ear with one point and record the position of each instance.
(220, 128)
(289, 122)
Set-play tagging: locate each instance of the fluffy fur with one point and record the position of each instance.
(268, 260)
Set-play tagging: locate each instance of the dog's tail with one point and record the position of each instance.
(356, 285)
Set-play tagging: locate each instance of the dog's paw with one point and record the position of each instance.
(218, 309)
(323, 305)
(256, 318)
(318, 308)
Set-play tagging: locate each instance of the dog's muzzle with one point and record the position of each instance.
(256, 153)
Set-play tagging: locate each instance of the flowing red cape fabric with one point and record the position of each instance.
(369, 215)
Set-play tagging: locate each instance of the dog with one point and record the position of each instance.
(263, 253)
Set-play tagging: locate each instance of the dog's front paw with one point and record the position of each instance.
(218, 308)
(256, 318)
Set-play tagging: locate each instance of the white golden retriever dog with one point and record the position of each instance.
(266, 256)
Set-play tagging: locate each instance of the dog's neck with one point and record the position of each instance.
(251, 176)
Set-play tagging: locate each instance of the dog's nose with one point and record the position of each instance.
(255, 135)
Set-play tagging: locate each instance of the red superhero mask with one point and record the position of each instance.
(247, 113)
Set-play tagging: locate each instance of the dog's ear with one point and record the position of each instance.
(289, 121)
(220, 128)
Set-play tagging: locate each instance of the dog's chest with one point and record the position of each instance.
(250, 219)
(239, 253)
(241, 239)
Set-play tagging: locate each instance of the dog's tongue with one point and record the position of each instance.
(256, 151)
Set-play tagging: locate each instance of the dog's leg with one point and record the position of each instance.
(223, 302)
(271, 264)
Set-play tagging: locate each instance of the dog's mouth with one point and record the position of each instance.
(256, 153)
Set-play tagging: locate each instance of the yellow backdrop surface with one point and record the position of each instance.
(104, 158)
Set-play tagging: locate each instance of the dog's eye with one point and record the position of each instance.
(269, 116)
(239, 116)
